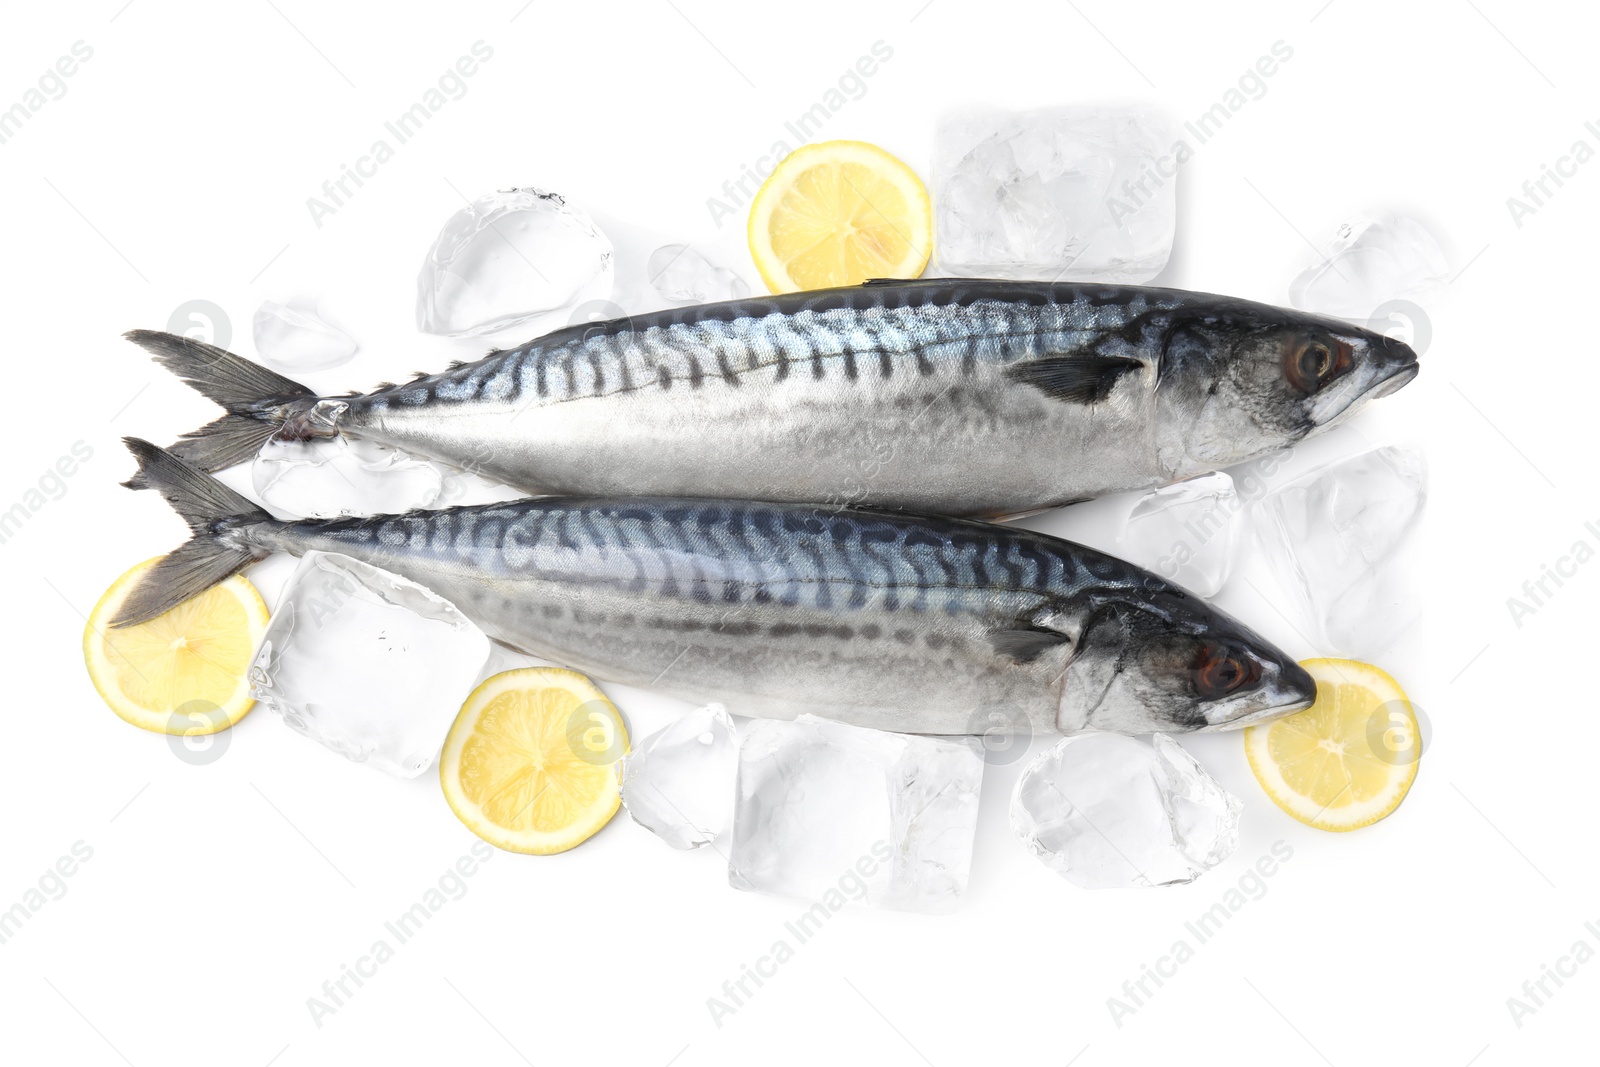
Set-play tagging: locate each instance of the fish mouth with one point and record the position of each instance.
(1395, 381)
(1250, 718)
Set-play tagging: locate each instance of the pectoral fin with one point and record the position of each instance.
(1076, 379)
(1026, 643)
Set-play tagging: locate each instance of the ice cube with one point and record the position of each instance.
(328, 477)
(834, 813)
(1107, 811)
(1335, 540)
(1187, 532)
(366, 662)
(507, 259)
(297, 341)
(678, 782)
(1371, 260)
(681, 275)
(1077, 192)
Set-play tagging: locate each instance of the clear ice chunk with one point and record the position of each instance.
(681, 275)
(835, 813)
(509, 258)
(678, 782)
(1335, 540)
(1371, 260)
(1187, 532)
(328, 477)
(367, 663)
(1077, 192)
(1107, 812)
(298, 341)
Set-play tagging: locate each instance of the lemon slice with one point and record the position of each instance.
(183, 672)
(1346, 761)
(838, 213)
(531, 762)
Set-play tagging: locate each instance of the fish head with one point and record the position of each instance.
(1163, 660)
(1239, 384)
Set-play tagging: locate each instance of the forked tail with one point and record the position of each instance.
(258, 401)
(213, 554)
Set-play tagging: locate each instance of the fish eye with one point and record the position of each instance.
(1310, 362)
(1219, 670)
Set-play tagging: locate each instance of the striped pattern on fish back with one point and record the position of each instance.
(859, 336)
(741, 553)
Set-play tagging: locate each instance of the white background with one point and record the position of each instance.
(220, 897)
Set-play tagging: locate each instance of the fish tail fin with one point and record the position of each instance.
(210, 556)
(258, 401)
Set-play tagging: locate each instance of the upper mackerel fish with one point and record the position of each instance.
(948, 397)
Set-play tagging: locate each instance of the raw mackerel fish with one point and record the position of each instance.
(921, 625)
(949, 397)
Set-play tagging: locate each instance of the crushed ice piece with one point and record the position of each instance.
(298, 341)
(1187, 532)
(1083, 192)
(681, 275)
(678, 782)
(368, 663)
(507, 259)
(1107, 811)
(325, 478)
(1372, 260)
(835, 813)
(1334, 539)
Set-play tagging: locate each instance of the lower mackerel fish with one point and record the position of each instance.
(876, 618)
